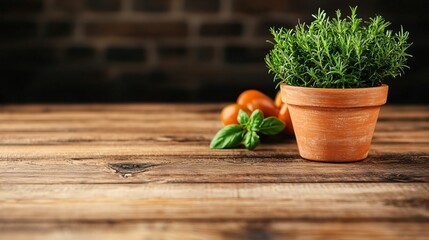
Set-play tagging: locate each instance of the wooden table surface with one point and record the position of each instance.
(139, 171)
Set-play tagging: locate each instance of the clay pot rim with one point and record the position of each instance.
(334, 89)
(334, 97)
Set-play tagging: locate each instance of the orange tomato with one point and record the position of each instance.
(284, 116)
(254, 99)
(229, 113)
(278, 100)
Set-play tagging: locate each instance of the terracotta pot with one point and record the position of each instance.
(334, 125)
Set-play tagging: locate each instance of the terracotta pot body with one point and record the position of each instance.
(334, 125)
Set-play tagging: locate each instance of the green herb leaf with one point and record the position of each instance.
(338, 52)
(233, 135)
(242, 118)
(271, 126)
(230, 136)
(255, 120)
(251, 140)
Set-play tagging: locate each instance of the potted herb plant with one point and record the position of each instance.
(332, 73)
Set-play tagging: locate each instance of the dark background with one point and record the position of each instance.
(169, 50)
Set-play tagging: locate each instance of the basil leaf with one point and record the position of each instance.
(255, 120)
(242, 118)
(271, 126)
(251, 140)
(228, 137)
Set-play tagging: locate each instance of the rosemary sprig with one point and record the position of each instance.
(338, 52)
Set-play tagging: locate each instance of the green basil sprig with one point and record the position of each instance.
(233, 135)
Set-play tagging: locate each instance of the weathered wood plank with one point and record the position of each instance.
(149, 113)
(124, 202)
(142, 164)
(76, 171)
(121, 107)
(180, 135)
(84, 143)
(158, 121)
(213, 230)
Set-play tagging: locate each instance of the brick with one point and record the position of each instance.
(202, 6)
(122, 54)
(205, 53)
(103, 5)
(225, 85)
(21, 6)
(244, 55)
(138, 30)
(229, 91)
(72, 83)
(78, 53)
(145, 78)
(264, 6)
(58, 29)
(17, 30)
(420, 51)
(172, 52)
(16, 82)
(31, 56)
(400, 9)
(173, 94)
(330, 6)
(231, 29)
(157, 85)
(263, 28)
(152, 5)
(68, 6)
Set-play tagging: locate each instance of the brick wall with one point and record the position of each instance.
(167, 50)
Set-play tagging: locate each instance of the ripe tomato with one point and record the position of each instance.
(285, 117)
(278, 100)
(229, 113)
(254, 99)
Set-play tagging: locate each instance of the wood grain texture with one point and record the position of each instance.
(193, 167)
(313, 201)
(144, 171)
(215, 230)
